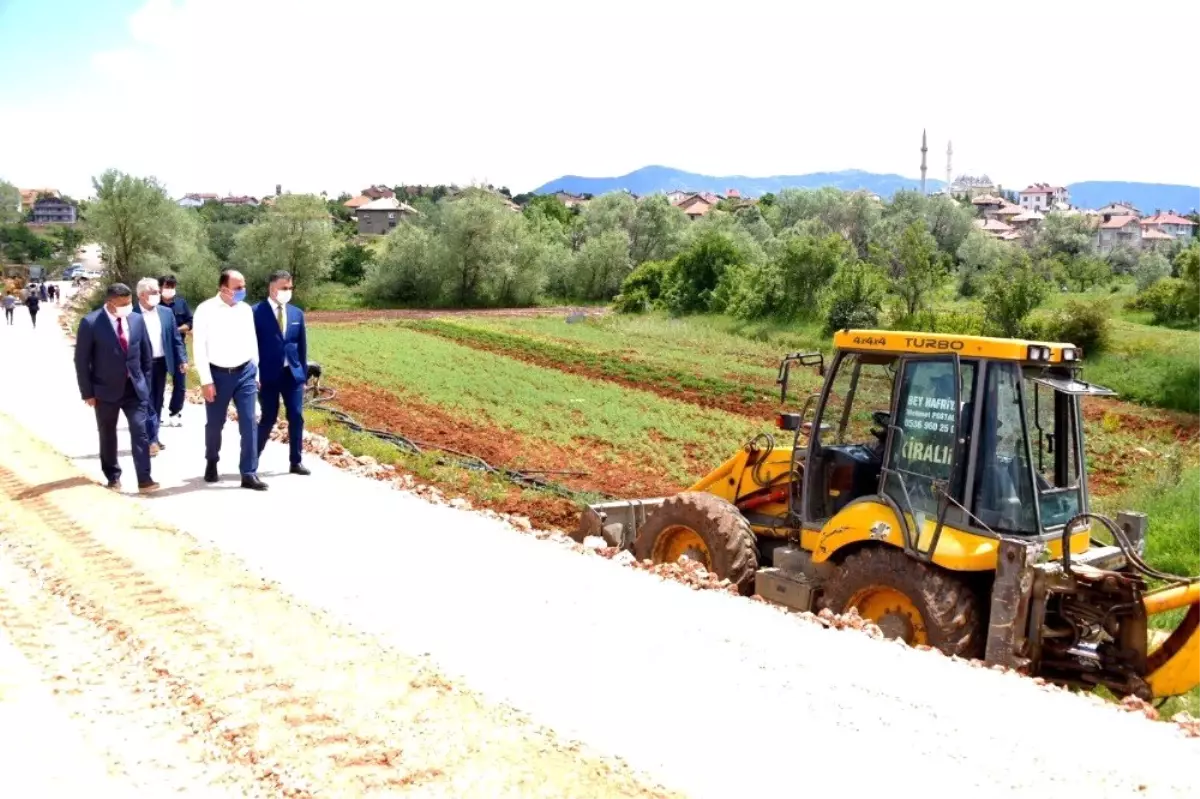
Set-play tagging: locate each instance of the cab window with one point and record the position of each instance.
(1003, 491)
(1053, 430)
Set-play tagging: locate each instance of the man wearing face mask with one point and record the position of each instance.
(283, 363)
(225, 349)
(183, 321)
(166, 349)
(112, 362)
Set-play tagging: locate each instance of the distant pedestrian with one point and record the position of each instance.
(112, 361)
(32, 303)
(282, 364)
(42, 295)
(168, 286)
(9, 302)
(225, 349)
(166, 353)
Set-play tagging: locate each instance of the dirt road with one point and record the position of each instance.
(188, 674)
(329, 317)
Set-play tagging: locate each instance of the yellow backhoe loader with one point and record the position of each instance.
(940, 488)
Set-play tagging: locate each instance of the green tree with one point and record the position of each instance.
(410, 270)
(135, 221)
(1151, 267)
(295, 234)
(1067, 235)
(601, 264)
(1013, 290)
(548, 205)
(856, 296)
(10, 202)
(350, 264)
(806, 265)
(1082, 272)
(698, 270)
(655, 230)
(20, 245)
(221, 238)
(478, 232)
(978, 255)
(915, 267)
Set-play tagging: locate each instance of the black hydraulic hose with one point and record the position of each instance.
(1126, 547)
(320, 396)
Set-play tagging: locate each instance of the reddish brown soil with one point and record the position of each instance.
(756, 410)
(342, 317)
(428, 424)
(1146, 430)
(1154, 424)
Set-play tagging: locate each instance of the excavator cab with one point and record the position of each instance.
(938, 485)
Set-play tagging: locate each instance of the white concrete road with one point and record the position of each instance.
(713, 694)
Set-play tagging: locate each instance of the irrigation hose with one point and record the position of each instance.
(318, 397)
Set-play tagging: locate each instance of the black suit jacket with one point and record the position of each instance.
(100, 366)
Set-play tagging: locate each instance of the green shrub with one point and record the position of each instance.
(642, 290)
(1086, 325)
(855, 297)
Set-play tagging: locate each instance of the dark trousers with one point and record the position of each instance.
(8, 315)
(284, 384)
(178, 387)
(237, 387)
(33, 316)
(154, 406)
(107, 414)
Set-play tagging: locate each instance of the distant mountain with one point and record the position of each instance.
(651, 179)
(1146, 197)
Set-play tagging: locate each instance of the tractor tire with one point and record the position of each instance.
(711, 529)
(950, 617)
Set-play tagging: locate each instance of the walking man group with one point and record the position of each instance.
(125, 351)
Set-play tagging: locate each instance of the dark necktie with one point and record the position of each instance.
(121, 336)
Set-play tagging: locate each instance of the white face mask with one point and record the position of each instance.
(283, 297)
(124, 310)
(168, 294)
(152, 300)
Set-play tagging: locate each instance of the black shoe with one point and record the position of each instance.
(113, 485)
(251, 481)
(210, 473)
(299, 469)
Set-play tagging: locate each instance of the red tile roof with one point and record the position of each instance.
(1117, 222)
(1167, 219)
(1154, 234)
(992, 225)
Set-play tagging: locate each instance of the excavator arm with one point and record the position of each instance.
(1173, 662)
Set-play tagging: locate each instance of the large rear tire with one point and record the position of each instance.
(705, 528)
(908, 599)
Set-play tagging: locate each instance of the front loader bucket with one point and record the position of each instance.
(616, 522)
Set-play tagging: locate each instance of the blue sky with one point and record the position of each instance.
(238, 95)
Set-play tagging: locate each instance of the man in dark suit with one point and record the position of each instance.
(112, 361)
(166, 348)
(282, 365)
(183, 321)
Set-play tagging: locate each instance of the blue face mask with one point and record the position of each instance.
(239, 295)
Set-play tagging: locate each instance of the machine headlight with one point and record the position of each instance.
(1070, 354)
(1039, 353)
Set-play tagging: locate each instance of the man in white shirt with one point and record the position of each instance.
(225, 348)
(169, 356)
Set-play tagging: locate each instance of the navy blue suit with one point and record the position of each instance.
(118, 382)
(173, 355)
(282, 371)
(183, 316)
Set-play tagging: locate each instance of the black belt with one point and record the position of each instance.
(229, 369)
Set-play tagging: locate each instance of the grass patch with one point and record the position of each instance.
(618, 423)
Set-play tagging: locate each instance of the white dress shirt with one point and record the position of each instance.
(154, 331)
(223, 335)
(275, 308)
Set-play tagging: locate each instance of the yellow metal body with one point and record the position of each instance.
(758, 481)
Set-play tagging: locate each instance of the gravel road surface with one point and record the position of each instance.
(712, 694)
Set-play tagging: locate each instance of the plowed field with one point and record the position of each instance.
(644, 406)
(187, 671)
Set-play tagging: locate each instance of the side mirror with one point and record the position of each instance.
(788, 421)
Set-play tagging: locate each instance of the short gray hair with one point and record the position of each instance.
(146, 285)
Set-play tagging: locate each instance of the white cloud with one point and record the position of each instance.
(237, 95)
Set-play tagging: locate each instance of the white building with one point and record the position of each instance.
(1043, 197)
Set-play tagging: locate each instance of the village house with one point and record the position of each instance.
(1030, 220)
(1043, 197)
(196, 200)
(30, 196)
(1119, 209)
(570, 200)
(379, 216)
(379, 192)
(1007, 212)
(53, 211)
(988, 204)
(994, 227)
(1118, 230)
(697, 205)
(241, 200)
(1171, 224)
(1153, 238)
(971, 187)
